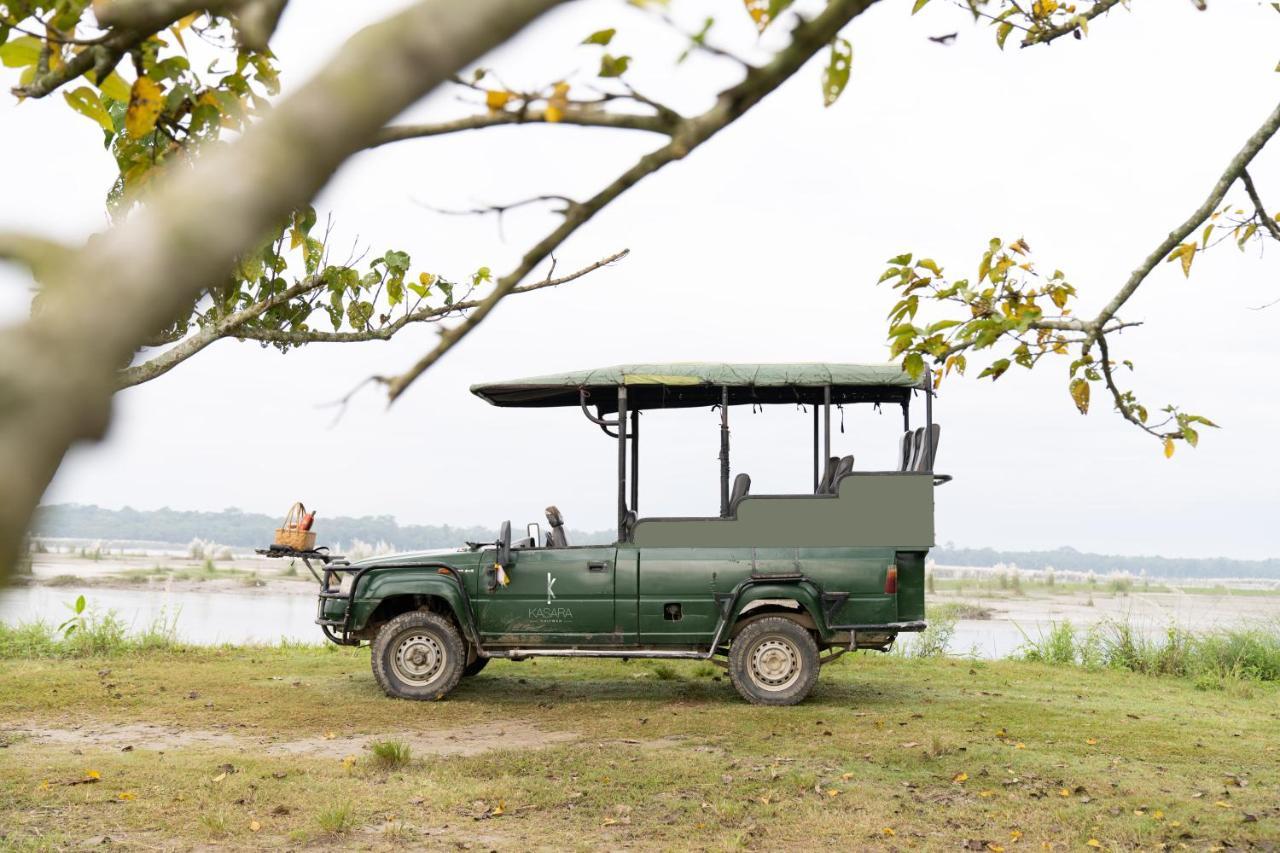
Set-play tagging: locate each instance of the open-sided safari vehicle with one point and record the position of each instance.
(772, 588)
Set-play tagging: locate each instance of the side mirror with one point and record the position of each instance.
(534, 531)
(504, 544)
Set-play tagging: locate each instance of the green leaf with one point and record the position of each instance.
(358, 314)
(836, 75)
(114, 87)
(914, 365)
(301, 224)
(996, 370)
(395, 289)
(601, 37)
(765, 12)
(613, 66)
(86, 102)
(481, 276)
(21, 52)
(901, 260)
(1002, 33)
(80, 605)
(919, 4)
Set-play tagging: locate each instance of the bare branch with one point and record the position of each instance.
(500, 209)
(574, 117)
(1268, 222)
(1234, 170)
(255, 20)
(807, 38)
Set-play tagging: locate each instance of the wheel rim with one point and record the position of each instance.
(774, 664)
(419, 659)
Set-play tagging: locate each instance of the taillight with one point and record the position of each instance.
(891, 581)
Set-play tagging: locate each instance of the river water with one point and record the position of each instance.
(207, 617)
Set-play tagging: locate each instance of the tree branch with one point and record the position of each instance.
(255, 19)
(58, 370)
(385, 333)
(1234, 170)
(171, 358)
(35, 253)
(807, 38)
(575, 117)
(1268, 222)
(1053, 33)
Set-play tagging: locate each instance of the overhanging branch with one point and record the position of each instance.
(807, 39)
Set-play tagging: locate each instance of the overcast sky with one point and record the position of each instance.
(764, 245)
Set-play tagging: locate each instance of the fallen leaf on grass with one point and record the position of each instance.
(987, 793)
(1019, 745)
(1093, 842)
(888, 831)
(1222, 804)
(846, 776)
(911, 744)
(832, 792)
(349, 761)
(126, 795)
(960, 778)
(1015, 834)
(254, 826)
(220, 777)
(995, 848)
(1092, 741)
(1064, 792)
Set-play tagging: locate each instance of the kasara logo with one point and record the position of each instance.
(550, 583)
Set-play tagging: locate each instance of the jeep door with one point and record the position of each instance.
(556, 596)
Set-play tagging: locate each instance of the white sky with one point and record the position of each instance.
(764, 245)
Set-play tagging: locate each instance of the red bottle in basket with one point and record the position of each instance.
(307, 521)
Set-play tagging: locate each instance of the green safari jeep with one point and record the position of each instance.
(771, 589)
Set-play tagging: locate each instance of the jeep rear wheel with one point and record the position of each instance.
(773, 661)
(418, 655)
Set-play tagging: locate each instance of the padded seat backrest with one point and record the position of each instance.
(927, 454)
(741, 487)
(556, 534)
(828, 476)
(906, 450)
(842, 470)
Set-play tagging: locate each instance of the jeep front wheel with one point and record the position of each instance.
(773, 661)
(418, 655)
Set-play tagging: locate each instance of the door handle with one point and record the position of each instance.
(597, 565)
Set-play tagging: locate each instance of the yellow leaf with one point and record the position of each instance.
(254, 826)
(219, 777)
(1064, 792)
(44, 786)
(1222, 804)
(846, 776)
(832, 792)
(1093, 842)
(1020, 746)
(126, 795)
(499, 808)
(1092, 741)
(558, 102)
(1158, 815)
(1015, 834)
(986, 794)
(1168, 448)
(1020, 246)
(92, 774)
(995, 848)
(888, 830)
(146, 100)
(1185, 253)
(496, 99)
(349, 761)
(1079, 389)
(960, 778)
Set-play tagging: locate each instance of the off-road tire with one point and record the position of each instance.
(418, 655)
(474, 667)
(773, 661)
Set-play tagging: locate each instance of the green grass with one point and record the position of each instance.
(1240, 654)
(96, 634)
(943, 753)
(390, 754)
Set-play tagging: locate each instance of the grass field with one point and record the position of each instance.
(249, 748)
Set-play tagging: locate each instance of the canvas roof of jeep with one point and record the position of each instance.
(703, 383)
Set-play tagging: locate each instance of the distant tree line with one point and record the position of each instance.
(241, 529)
(1069, 559)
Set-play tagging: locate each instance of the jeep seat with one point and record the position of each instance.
(741, 487)
(556, 534)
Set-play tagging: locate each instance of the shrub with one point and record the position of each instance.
(337, 819)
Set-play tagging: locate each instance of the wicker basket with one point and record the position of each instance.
(289, 536)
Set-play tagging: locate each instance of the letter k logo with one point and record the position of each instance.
(550, 583)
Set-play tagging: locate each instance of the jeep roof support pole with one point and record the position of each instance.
(635, 460)
(816, 475)
(622, 462)
(826, 420)
(928, 420)
(906, 414)
(724, 452)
